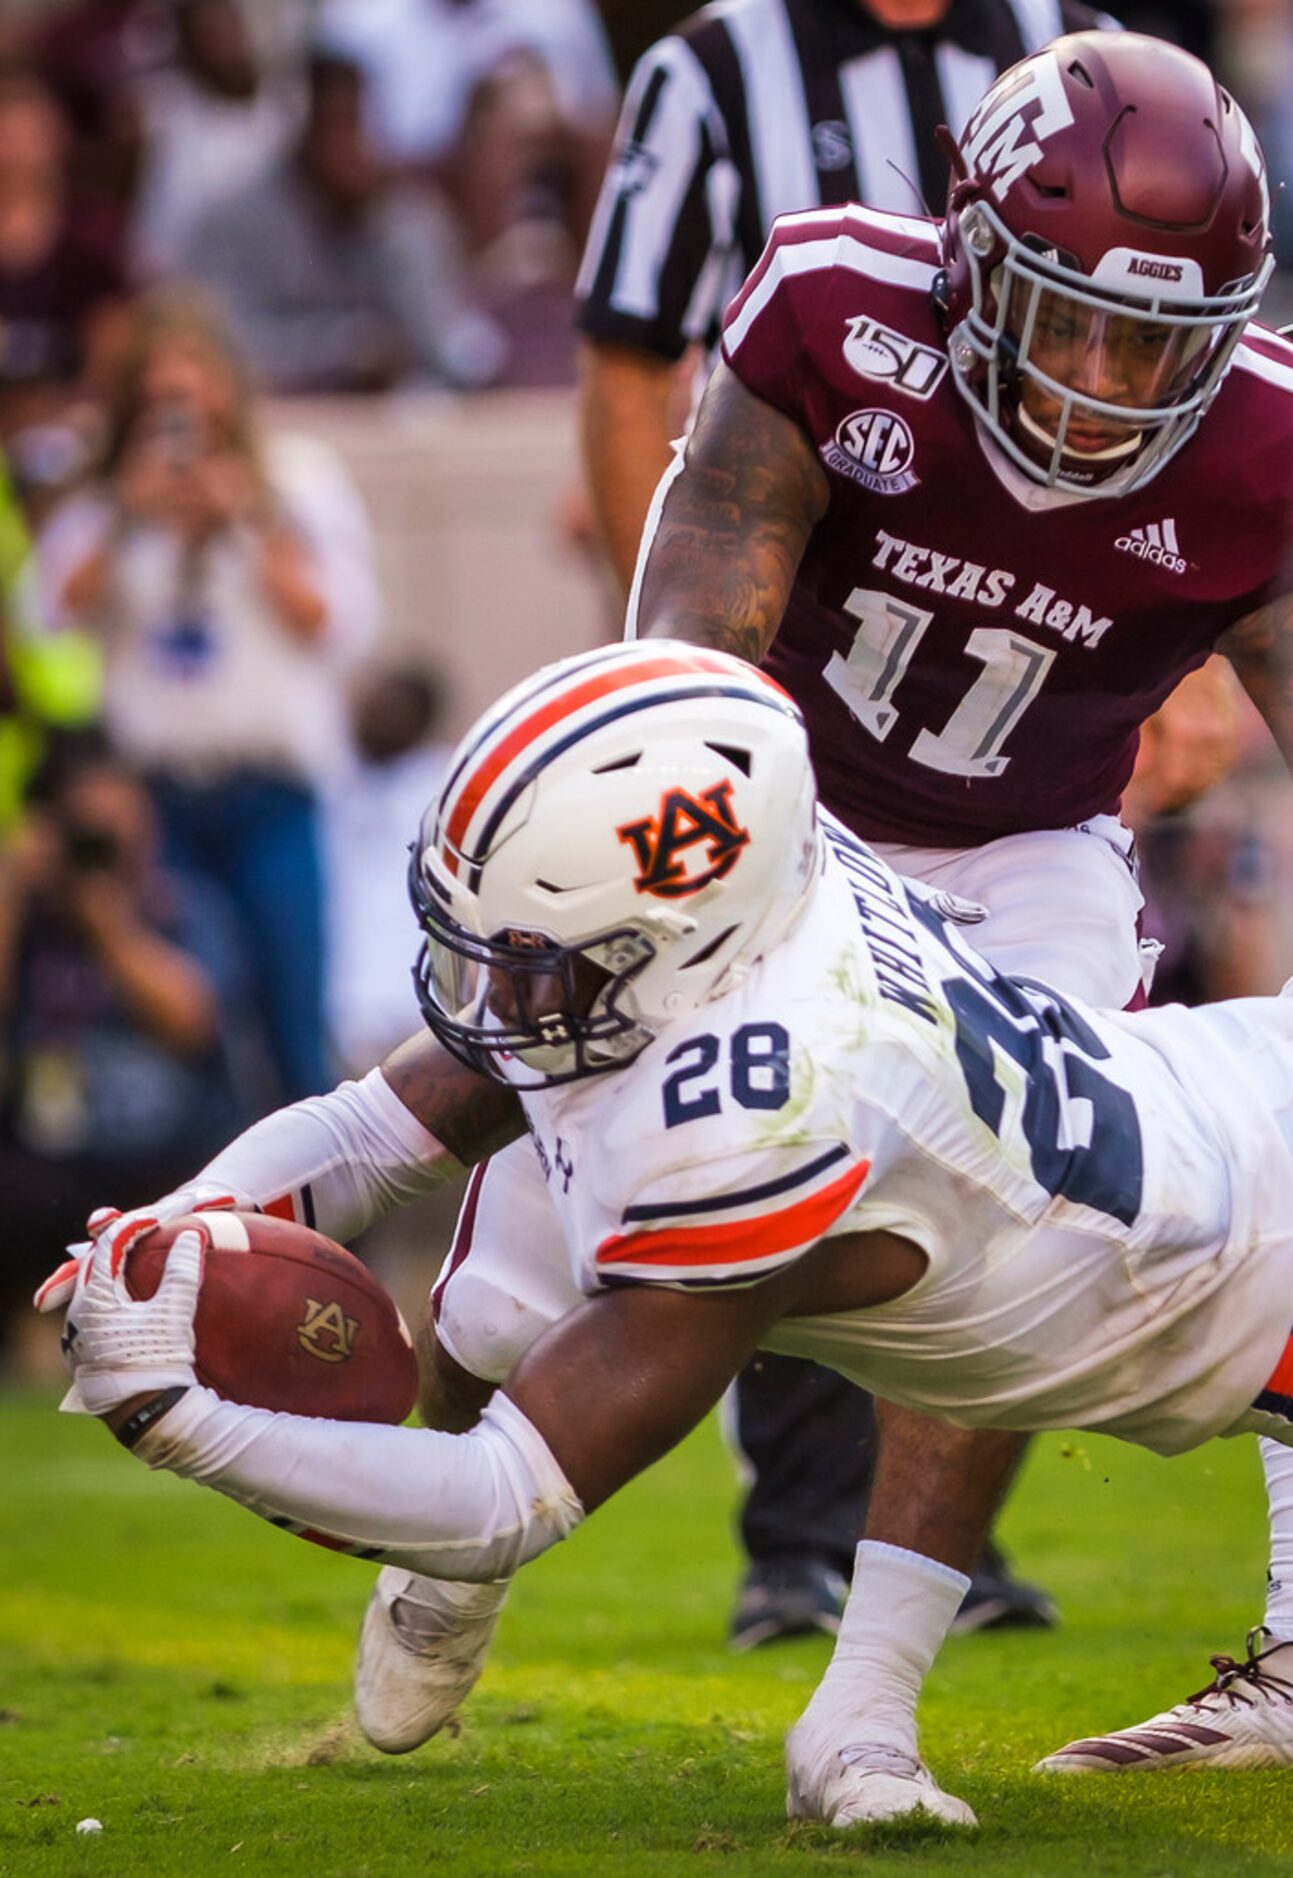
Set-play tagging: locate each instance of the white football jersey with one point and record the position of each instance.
(1102, 1200)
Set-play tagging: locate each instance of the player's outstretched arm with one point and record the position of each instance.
(732, 526)
(601, 1396)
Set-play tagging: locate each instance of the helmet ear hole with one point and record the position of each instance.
(707, 951)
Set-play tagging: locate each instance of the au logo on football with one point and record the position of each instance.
(326, 1332)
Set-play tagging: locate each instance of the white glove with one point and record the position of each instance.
(120, 1229)
(118, 1346)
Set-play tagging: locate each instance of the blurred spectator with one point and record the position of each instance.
(211, 123)
(489, 96)
(90, 54)
(1208, 882)
(62, 287)
(230, 578)
(1255, 55)
(337, 277)
(119, 985)
(1187, 746)
(370, 822)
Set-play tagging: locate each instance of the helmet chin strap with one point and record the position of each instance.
(1112, 453)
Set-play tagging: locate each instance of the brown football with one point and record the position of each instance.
(286, 1319)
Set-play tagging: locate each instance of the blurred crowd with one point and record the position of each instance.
(210, 765)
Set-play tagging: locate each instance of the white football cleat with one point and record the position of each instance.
(421, 1648)
(1244, 1718)
(866, 1781)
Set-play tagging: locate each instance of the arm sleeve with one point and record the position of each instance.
(335, 1162)
(657, 263)
(472, 1506)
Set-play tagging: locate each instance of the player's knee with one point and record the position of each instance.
(449, 1397)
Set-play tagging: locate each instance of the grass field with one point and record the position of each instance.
(180, 1672)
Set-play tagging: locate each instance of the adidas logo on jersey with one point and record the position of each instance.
(1155, 542)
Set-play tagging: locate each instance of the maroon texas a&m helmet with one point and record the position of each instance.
(1107, 239)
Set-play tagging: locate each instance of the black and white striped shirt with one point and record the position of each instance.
(754, 108)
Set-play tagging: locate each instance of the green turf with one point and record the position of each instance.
(180, 1672)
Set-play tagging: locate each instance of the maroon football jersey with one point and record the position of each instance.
(975, 654)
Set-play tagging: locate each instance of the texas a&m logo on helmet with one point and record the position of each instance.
(1025, 108)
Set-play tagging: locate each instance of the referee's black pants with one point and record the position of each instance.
(810, 1439)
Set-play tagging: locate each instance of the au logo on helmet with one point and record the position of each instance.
(692, 840)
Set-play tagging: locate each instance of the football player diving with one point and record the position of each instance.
(978, 493)
(781, 1103)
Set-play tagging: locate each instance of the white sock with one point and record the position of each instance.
(899, 1610)
(1277, 1460)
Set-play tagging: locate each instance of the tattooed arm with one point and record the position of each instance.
(733, 526)
(1260, 647)
(471, 1116)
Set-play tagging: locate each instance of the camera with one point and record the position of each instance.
(86, 849)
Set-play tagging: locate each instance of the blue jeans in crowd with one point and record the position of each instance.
(257, 836)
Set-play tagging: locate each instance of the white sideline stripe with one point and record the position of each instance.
(815, 256)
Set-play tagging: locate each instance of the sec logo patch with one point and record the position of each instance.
(874, 448)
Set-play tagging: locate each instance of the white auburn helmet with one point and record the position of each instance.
(619, 836)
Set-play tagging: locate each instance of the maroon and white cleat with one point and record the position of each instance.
(1244, 1718)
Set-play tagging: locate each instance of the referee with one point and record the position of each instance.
(749, 110)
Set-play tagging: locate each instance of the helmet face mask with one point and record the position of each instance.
(524, 1007)
(619, 838)
(1096, 297)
